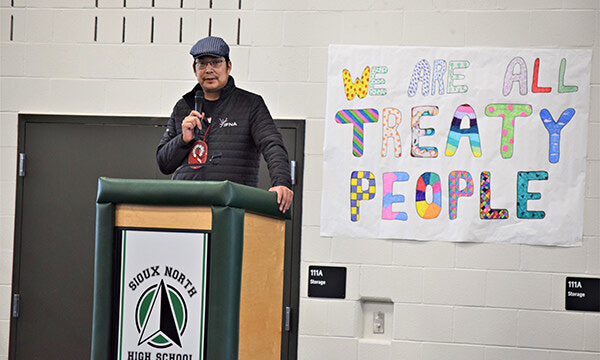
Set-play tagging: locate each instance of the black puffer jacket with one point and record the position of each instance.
(241, 129)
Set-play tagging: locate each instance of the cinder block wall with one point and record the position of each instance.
(442, 300)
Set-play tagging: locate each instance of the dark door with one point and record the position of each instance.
(53, 267)
(54, 236)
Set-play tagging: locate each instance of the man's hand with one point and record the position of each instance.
(189, 124)
(284, 197)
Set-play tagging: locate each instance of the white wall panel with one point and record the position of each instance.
(551, 330)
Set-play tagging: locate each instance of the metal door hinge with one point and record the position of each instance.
(21, 170)
(288, 316)
(15, 305)
(293, 171)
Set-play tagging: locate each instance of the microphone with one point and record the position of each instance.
(198, 102)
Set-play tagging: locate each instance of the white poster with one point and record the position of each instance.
(456, 144)
(163, 295)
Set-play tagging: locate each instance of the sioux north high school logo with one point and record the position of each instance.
(161, 316)
(161, 313)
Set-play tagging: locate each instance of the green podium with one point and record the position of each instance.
(187, 270)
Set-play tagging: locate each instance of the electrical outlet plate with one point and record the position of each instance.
(378, 322)
(374, 313)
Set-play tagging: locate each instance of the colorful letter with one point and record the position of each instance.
(375, 91)
(420, 74)
(424, 209)
(454, 190)
(389, 198)
(510, 77)
(452, 77)
(416, 131)
(439, 69)
(357, 193)
(456, 133)
(562, 88)
(357, 117)
(486, 211)
(391, 121)
(508, 113)
(359, 87)
(534, 85)
(523, 195)
(554, 128)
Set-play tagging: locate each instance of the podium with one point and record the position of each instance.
(187, 270)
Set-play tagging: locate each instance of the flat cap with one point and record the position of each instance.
(211, 46)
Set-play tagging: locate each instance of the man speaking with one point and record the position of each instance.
(217, 119)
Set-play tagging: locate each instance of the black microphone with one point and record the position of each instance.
(198, 102)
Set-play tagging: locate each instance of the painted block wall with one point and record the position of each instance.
(442, 300)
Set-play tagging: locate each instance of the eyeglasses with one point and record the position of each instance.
(213, 63)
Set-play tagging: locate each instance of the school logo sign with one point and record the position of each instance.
(163, 295)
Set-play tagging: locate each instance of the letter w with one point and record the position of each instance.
(360, 87)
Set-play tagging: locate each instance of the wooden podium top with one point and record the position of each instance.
(189, 193)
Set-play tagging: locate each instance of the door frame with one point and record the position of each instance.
(291, 289)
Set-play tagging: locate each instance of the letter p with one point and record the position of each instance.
(357, 193)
